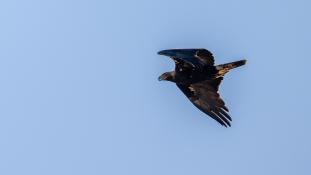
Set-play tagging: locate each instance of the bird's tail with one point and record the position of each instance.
(224, 68)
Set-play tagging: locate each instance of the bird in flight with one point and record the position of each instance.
(198, 78)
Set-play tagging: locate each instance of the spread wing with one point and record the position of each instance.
(204, 95)
(196, 57)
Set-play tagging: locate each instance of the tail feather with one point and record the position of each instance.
(224, 68)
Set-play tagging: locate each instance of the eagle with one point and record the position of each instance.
(197, 76)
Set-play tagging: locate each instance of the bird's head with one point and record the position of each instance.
(167, 76)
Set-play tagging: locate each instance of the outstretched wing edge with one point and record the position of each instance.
(205, 97)
(196, 57)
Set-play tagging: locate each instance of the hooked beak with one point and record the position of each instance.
(162, 77)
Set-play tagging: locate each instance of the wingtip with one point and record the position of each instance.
(227, 125)
(225, 108)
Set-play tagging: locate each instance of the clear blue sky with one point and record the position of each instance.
(79, 92)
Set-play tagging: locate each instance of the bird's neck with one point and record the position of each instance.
(173, 77)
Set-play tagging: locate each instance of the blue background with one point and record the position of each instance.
(79, 92)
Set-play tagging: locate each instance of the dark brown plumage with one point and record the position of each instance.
(198, 78)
